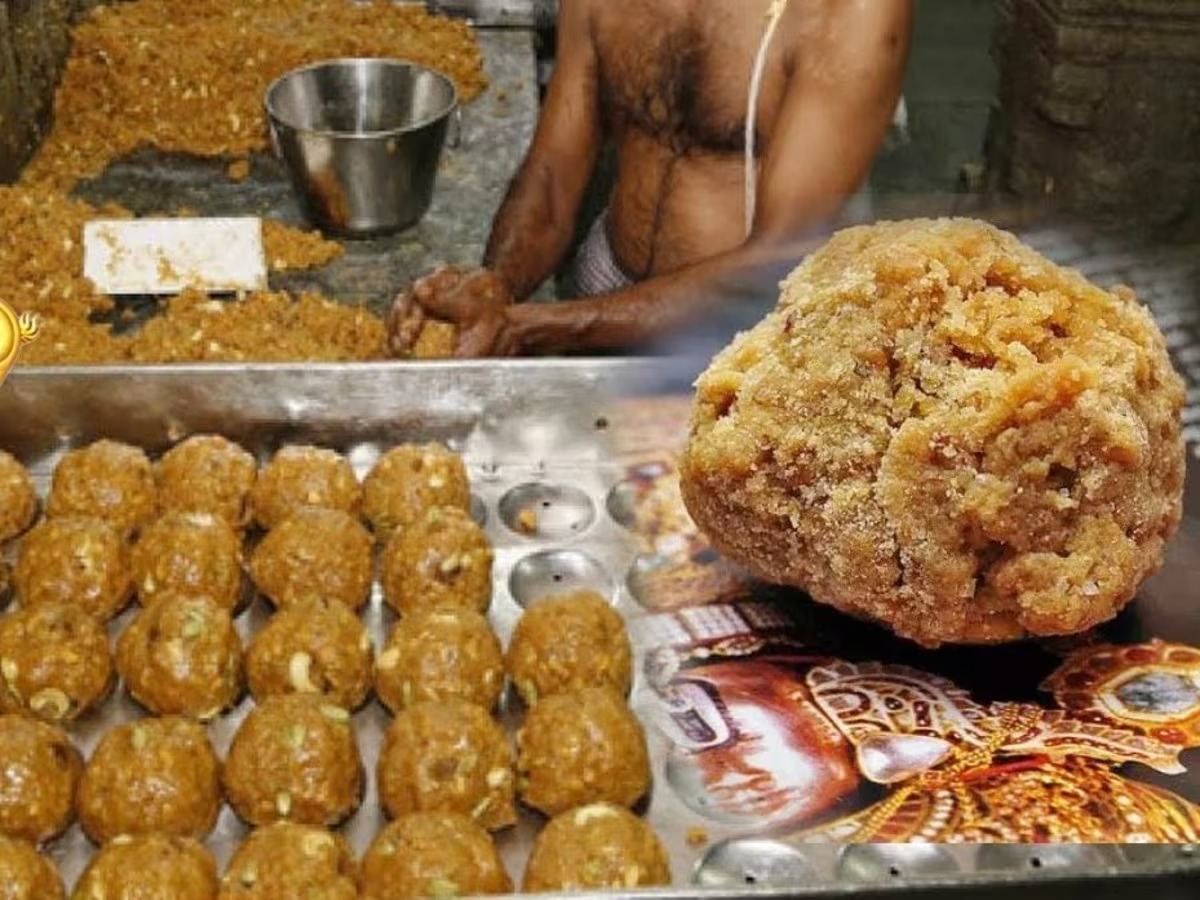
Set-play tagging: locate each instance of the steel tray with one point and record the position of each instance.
(541, 430)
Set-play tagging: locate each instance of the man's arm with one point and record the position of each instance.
(839, 100)
(536, 222)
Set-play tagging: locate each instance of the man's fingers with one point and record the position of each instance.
(404, 325)
(454, 304)
(507, 344)
(452, 296)
(468, 297)
(446, 278)
(472, 343)
(477, 340)
(401, 306)
(410, 328)
(431, 285)
(399, 311)
(491, 335)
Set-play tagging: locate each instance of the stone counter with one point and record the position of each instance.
(496, 129)
(33, 45)
(34, 36)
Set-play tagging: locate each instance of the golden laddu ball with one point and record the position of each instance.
(940, 430)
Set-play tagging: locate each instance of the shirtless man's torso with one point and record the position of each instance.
(674, 78)
(667, 82)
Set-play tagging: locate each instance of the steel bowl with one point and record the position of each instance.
(361, 139)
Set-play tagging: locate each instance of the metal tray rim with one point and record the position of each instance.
(599, 364)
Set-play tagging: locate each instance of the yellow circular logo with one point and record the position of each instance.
(14, 331)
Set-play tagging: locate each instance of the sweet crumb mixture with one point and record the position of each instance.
(290, 249)
(188, 76)
(940, 430)
(41, 271)
(265, 326)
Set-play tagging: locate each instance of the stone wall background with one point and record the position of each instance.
(949, 90)
(1099, 108)
(33, 44)
(1096, 111)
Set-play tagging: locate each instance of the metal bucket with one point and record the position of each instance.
(361, 139)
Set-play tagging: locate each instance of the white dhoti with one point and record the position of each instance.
(596, 269)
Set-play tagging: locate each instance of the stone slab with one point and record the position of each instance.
(473, 177)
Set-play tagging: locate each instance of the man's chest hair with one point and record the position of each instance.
(680, 69)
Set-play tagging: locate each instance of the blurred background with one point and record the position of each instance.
(1075, 123)
(1087, 106)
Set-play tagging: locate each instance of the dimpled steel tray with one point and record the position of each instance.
(533, 435)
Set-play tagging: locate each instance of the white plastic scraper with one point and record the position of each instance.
(164, 256)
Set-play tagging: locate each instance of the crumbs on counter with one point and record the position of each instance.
(527, 520)
(238, 170)
(263, 326)
(41, 266)
(436, 340)
(291, 249)
(202, 103)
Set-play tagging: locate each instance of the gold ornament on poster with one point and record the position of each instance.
(752, 706)
(15, 330)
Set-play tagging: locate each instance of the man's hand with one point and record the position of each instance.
(407, 316)
(476, 302)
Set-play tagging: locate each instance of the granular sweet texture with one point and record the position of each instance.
(41, 271)
(188, 76)
(263, 326)
(290, 249)
(41, 256)
(940, 430)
